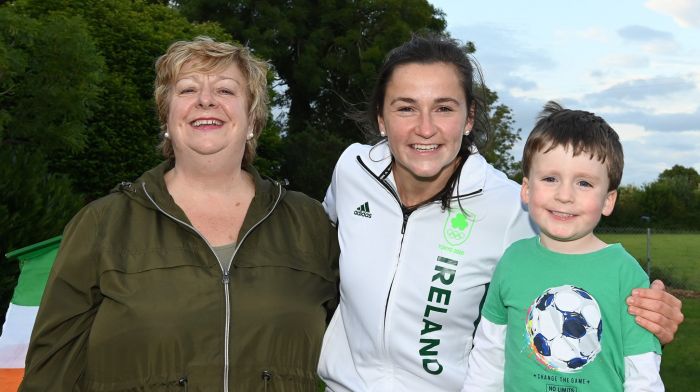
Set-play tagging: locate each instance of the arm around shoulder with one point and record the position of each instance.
(656, 310)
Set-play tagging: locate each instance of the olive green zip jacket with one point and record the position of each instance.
(137, 301)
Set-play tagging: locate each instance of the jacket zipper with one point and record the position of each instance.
(225, 272)
(406, 212)
(226, 284)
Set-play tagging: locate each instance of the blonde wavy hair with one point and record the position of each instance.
(207, 55)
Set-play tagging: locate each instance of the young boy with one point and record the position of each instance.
(556, 301)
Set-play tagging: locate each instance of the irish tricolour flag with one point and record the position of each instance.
(35, 263)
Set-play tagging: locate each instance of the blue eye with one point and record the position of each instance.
(585, 184)
(549, 179)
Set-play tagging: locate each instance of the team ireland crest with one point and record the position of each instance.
(458, 226)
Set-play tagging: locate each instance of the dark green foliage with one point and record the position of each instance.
(310, 158)
(33, 208)
(50, 72)
(502, 138)
(628, 209)
(672, 202)
(269, 152)
(123, 131)
(683, 175)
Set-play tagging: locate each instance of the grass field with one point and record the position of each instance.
(675, 259)
(676, 256)
(680, 364)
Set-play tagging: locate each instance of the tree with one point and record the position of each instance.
(628, 208)
(502, 138)
(123, 131)
(50, 72)
(681, 173)
(673, 200)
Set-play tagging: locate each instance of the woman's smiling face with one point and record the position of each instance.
(424, 117)
(209, 112)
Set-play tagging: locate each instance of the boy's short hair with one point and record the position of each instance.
(583, 131)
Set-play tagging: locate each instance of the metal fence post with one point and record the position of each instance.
(649, 251)
(647, 219)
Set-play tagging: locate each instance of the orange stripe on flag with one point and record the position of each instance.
(10, 379)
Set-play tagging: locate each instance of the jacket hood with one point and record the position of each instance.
(378, 160)
(150, 190)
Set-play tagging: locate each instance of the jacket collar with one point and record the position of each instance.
(151, 186)
(472, 179)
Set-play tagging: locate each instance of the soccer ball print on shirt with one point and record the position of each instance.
(564, 328)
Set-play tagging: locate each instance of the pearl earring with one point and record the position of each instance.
(166, 135)
(250, 135)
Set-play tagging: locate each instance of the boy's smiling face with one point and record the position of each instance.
(566, 196)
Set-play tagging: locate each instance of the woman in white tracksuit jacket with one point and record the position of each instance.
(422, 221)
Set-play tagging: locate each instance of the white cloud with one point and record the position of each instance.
(625, 60)
(629, 132)
(595, 34)
(646, 157)
(643, 33)
(685, 12)
(640, 88)
(501, 53)
(653, 41)
(661, 47)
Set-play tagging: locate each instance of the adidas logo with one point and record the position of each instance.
(363, 210)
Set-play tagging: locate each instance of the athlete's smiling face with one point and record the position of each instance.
(424, 118)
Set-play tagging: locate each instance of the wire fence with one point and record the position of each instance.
(643, 230)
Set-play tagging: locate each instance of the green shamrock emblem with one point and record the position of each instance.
(459, 222)
(458, 227)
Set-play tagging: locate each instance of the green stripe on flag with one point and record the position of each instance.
(35, 263)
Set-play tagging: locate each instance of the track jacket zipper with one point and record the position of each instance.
(225, 272)
(406, 213)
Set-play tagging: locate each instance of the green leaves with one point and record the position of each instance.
(672, 202)
(52, 72)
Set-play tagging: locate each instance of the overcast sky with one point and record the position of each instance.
(636, 63)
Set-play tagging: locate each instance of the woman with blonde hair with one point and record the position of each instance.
(200, 275)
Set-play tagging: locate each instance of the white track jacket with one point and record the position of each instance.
(411, 285)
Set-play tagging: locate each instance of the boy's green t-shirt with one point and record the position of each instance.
(568, 329)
